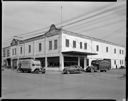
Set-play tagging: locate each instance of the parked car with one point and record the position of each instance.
(122, 67)
(72, 69)
(91, 69)
(30, 65)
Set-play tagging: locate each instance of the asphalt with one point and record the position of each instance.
(54, 85)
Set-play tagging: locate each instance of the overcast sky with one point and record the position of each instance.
(104, 20)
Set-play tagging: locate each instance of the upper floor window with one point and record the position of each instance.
(115, 50)
(40, 47)
(55, 44)
(67, 42)
(29, 48)
(8, 52)
(97, 48)
(15, 51)
(106, 49)
(20, 50)
(115, 62)
(120, 51)
(122, 62)
(85, 45)
(12, 52)
(80, 45)
(3, 52)
(74, 44)
(50, 45)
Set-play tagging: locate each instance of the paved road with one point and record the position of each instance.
(54, 85)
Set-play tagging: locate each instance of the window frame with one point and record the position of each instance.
(74, 44)
(50, 45)
(55, 44)
(80, 45)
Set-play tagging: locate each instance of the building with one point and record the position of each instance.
(58, 48)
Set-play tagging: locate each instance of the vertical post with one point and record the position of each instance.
(61, 16)
(78, 60)
(12, 64)
(61, 62)
(33, 51)
(46, 63)
(45, 50)
(85, 62)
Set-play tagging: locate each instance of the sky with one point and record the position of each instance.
(103, 20)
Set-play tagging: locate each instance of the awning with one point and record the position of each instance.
(78, 53)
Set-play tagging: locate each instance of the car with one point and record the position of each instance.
(72, 69)
(122, 67)
(91, 69)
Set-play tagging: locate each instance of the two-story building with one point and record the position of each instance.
(58, 48)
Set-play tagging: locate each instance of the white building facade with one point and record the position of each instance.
(59, 48)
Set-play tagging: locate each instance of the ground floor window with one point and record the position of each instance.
(53, 61)
(14, 63)
(68, 61)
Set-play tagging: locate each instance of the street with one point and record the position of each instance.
(54, 85)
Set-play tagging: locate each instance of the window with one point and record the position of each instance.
(40, 47)
(115, 62)
(29, 49)
(80, 45)
(50, 45)
(115, 50)
(55, 44)
(120, 51)
(97, 48)
(67, 42)
(15, 51)
(120, 61)
(3, 52)
(12, 52)
(20, 50)
(74, 44)
(106, 49)
(85, 45)
(8, 53)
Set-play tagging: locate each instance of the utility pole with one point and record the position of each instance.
(61, 16)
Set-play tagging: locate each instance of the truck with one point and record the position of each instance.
(30, 65)
(99, 65)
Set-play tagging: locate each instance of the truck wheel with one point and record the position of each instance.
(36, 71)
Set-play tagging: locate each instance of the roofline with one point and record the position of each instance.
(92, 38)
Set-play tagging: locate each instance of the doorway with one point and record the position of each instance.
(82, 62)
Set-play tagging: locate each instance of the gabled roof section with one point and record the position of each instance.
(15, 42)
(53, 31)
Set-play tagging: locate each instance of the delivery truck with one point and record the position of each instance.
(99, 65)
(30, 65)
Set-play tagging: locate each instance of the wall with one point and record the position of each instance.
(91, 47)
(78, 40)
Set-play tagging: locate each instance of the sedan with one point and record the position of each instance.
(72, 69)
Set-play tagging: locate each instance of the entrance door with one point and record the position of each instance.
(82, 62)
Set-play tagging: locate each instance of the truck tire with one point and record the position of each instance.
(36, 71)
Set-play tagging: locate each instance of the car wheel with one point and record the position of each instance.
(68, 72)
(92, 70)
